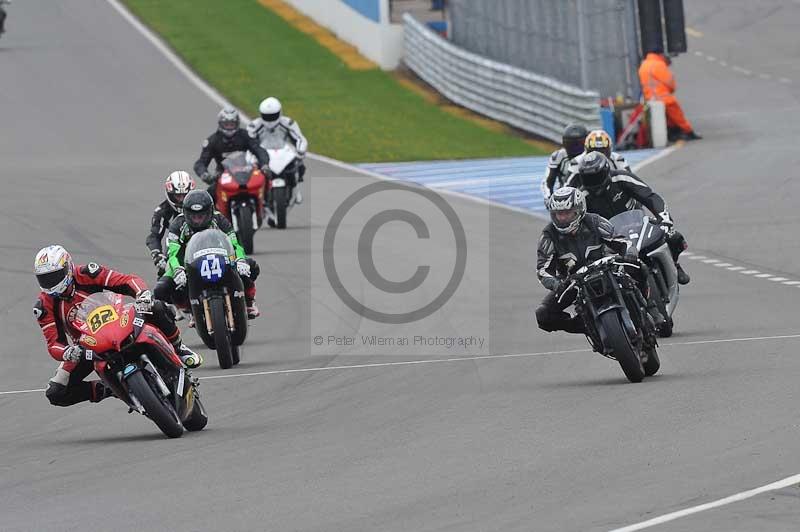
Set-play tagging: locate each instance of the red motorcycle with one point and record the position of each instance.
(240, 196)
(137, 362)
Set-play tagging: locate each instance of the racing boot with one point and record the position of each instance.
(252, 310)
(575, 325)
(250, 301)
(175, 312)
(189, 358)
(683, 277)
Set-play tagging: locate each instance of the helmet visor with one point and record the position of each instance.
(228, 127)
(573, 146)
(563, 219)
(271, 117)
(199, 219)
(177, 199)
(51, 279)
(594, 180)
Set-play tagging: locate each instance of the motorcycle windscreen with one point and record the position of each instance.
(636, 227)
(92, 303)
(210, 253)
(238, 166)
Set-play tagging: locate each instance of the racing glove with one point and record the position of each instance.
(73, 353)
(159, 259)
(207, 177)
(666, 219)
(243, 268)
(144, 302)
(179, 277)
(265, 169)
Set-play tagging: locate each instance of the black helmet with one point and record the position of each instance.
(573, 139)
(198, 209)
(594, 172)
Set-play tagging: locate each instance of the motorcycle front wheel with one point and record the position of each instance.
(620, 344)
(222, 337)
(156, 407)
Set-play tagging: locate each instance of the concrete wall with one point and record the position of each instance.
(353, 21)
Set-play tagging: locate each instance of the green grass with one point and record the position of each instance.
(247, 52)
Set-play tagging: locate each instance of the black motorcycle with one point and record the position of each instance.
(216, 294)
(614, 313)
(649, 239)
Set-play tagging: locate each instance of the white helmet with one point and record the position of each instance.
(177, 185)
(270, 110)
(54, 270)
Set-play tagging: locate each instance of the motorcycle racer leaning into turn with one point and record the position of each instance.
(611, 192)
(572, 239)
(199, 214)
(64, 286)
(228, 138)
(274, 129)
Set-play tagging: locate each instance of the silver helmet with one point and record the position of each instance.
(567, 208)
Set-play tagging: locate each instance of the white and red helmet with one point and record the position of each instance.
(177, 185)
(54, 270)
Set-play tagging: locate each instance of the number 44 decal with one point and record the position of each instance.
(211, 268)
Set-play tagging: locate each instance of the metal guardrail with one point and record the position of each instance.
(528, 101)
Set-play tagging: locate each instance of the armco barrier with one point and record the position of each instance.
(528, 101)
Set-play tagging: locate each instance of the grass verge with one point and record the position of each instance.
(248, 52)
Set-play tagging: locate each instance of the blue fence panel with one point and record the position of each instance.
(369, 8)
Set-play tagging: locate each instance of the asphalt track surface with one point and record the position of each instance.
(93, 116)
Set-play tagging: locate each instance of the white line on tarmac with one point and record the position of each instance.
(22, 391)
(741, 496)
(451, 359)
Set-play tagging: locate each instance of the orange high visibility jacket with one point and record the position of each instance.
(656, 78)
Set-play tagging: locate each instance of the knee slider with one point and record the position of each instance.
(544, 319)
(160, 309)
(161, 291)
(56, 394)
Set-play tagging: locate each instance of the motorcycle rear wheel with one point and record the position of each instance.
(246, 229)
(198, 419)
(155, 406)
(652, 364)
(628, 358)
(280, 203)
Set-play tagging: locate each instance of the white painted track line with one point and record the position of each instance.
(450, 360)
(737, 497)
